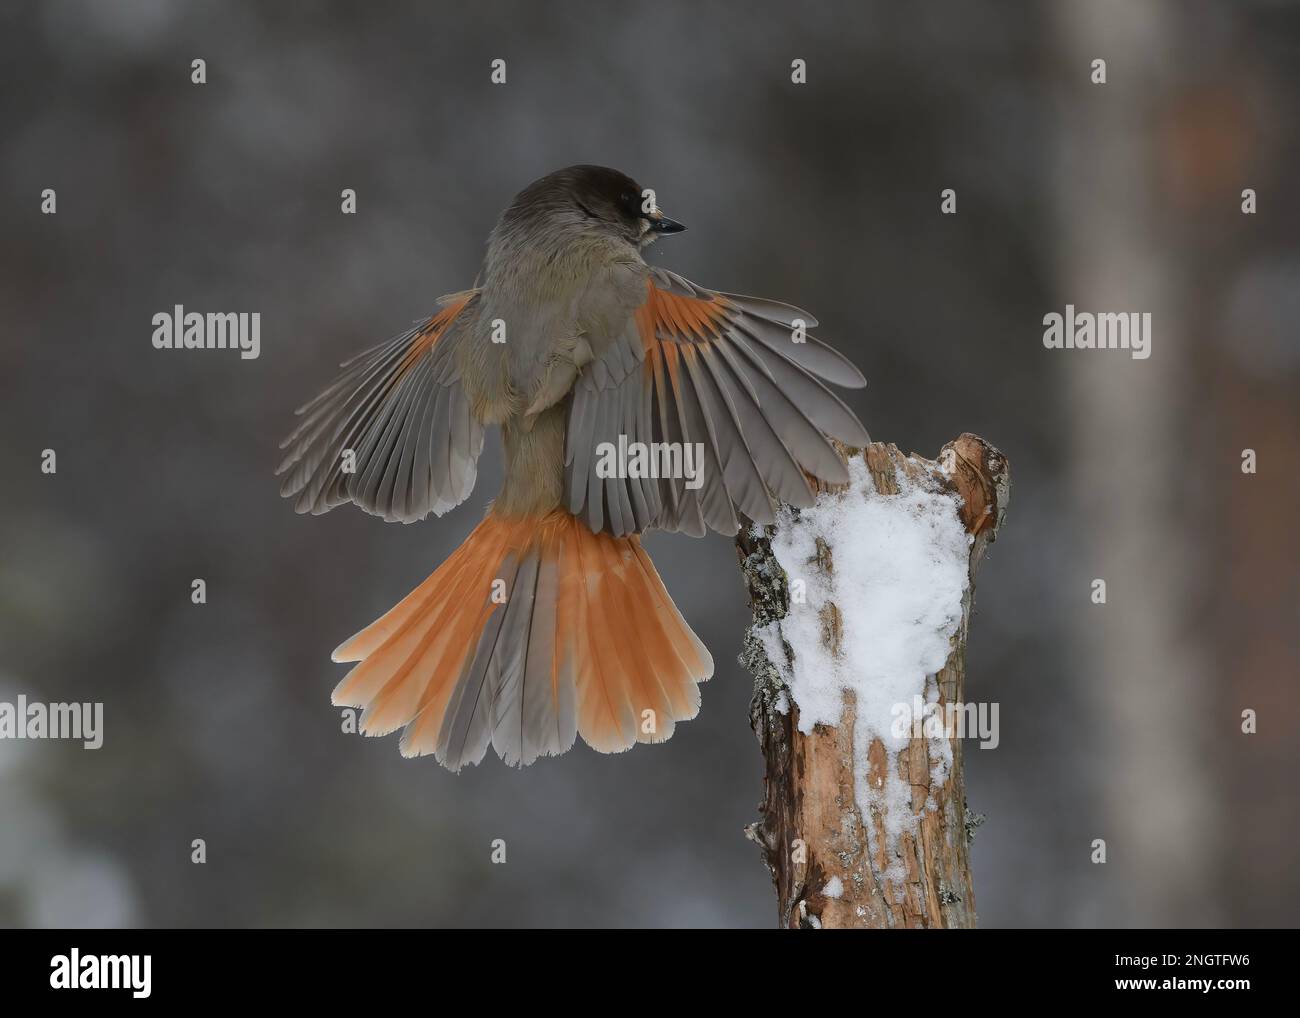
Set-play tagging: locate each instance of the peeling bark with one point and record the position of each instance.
(811, 830)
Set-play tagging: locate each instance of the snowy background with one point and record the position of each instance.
(1118, 722)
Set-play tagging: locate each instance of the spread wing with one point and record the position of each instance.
(394, 433)
(733, 377)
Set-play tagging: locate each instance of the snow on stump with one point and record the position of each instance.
(861, 610)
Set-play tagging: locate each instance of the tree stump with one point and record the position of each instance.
(833, 866)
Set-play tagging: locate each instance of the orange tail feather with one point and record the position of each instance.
(533, 631)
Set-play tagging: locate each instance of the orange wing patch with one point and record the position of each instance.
(434, 329)
(667, 315)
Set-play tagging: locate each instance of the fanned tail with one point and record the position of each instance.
(533, 631)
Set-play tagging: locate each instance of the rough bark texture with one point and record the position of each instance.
(811, 829)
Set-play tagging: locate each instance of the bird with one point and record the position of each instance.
(550, 621)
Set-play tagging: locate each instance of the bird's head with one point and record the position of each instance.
(595, 199)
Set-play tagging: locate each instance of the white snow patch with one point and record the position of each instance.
(900, 573)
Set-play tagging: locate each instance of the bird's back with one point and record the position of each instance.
(546, 311)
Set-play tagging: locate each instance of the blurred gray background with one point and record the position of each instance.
(1119, 721)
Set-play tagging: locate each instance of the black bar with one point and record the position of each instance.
(366, 968)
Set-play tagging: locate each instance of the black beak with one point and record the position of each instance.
(665, 225)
